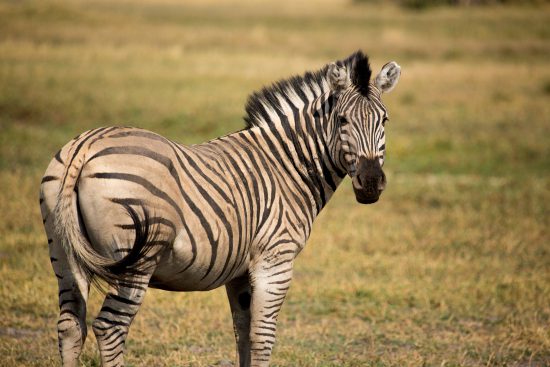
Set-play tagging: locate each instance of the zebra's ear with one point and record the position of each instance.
(338, 78)
(388, 77)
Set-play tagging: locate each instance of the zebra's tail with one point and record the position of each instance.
(80, 252)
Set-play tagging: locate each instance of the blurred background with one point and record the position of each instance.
(450, 268)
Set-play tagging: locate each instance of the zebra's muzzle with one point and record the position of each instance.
(369, 181)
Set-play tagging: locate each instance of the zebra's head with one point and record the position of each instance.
(359, 118)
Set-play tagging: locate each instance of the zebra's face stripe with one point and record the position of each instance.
(360, 122)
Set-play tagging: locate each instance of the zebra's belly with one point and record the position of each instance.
(199, 267)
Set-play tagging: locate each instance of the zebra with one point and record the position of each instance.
(136, 210)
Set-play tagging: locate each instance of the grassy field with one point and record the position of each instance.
(450, 268)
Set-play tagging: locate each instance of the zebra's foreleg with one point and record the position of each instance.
(112, 324)
(239, 295)
(270, 282)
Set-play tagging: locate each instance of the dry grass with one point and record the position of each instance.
(450, 268)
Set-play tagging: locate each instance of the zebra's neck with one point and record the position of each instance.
(300, 133)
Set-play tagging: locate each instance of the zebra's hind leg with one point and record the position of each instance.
(112, 324)
(73, 295)
(239, 294)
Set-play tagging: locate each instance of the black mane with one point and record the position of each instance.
(360, 74)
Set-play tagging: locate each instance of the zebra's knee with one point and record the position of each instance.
(100, 327)
(105, 329)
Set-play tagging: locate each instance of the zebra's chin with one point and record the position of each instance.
(361, 199)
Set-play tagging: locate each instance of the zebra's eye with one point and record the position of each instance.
(384, 121)
(342, 121)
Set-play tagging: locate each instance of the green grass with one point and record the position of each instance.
(450, 268)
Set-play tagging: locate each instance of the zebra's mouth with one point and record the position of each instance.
(366, 200)
(368, 192)
(367, 196)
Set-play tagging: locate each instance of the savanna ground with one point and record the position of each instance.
(450, 268)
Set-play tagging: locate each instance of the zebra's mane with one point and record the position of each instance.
(260, 103)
